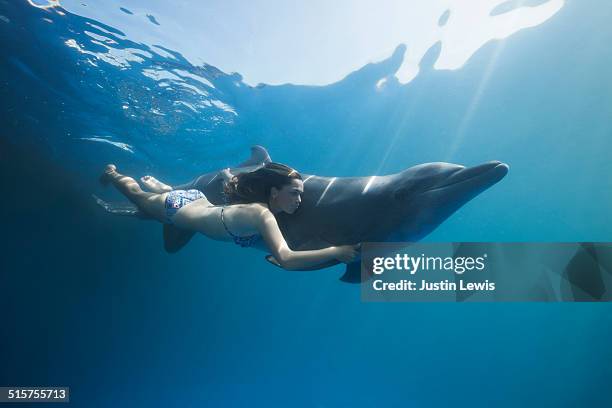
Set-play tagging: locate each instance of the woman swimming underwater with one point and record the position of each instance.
(255, 196)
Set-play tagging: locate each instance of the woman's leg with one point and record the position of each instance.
(150, 203)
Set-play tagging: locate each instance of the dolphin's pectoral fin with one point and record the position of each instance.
(323, 265)
(176, 238)
(125, 209)
(259, 155)
(352, 273)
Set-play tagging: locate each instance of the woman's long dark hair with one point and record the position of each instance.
(255, 186)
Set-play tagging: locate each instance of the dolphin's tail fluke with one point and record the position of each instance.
(125, 209)
(174, 238)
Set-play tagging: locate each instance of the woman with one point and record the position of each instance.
(255, 196)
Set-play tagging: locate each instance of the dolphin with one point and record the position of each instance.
(401, 207)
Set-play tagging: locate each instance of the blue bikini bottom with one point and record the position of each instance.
(177, 199)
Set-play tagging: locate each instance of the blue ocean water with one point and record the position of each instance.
(93, 302)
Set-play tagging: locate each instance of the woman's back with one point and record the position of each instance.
(221, 222)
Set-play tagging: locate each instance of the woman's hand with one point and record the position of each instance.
(347, 253)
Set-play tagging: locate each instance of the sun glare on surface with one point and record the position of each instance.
(44, 4)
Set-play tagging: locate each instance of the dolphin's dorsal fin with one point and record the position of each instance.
(259, 155)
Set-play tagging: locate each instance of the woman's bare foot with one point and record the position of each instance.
(109, 172)
(154, 185)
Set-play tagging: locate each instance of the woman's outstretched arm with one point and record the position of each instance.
(289, 259)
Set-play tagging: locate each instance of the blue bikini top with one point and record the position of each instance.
(242, 241)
